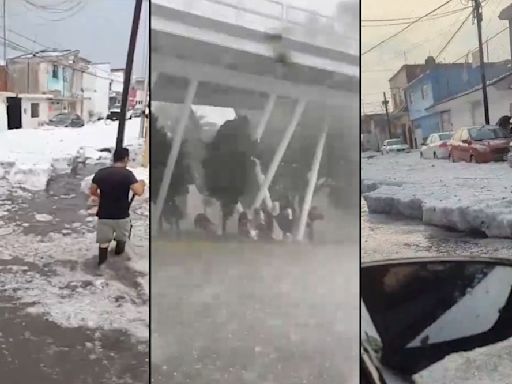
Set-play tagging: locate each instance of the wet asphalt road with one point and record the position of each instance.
(35, 350)
(387, 237)
(254, 313)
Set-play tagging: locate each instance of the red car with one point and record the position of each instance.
(479, 144)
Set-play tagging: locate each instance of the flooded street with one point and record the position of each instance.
(387, 237)
(61, 320)
(254, 313)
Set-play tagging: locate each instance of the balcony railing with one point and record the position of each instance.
(275, 16)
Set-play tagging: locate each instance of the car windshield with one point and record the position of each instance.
(445, 136)
(484, 133)
(394, 142)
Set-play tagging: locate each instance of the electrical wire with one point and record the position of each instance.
(489, 39)
(412, 18)
(75, 7)
(454, 34)
(405, 28)
(434, 17)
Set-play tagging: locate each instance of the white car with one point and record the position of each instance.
(436, 146)
(394, 146)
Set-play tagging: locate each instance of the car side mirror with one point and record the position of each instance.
(424, 310)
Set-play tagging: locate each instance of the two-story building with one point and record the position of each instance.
(58, 73)
(96, 87)
(116, 87)
(374, 131)
(400, 115)
(439, 82)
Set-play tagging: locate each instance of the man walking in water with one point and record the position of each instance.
(112, 186)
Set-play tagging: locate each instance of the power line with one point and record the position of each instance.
(411, 18)
(405, 28)
(454, 34)
(489, 39)
(434, 17)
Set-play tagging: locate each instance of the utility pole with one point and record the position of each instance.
(477, 9)
(146, 79)
(385, 103)
(128, 73)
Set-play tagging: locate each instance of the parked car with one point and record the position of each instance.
(394, 145)
(435, 320)
(66, 120)
(480, 144)
(138, 111)
(115, 113)
(436, 146)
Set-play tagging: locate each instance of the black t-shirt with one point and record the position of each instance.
(114, 184)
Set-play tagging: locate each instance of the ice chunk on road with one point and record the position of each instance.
(37, 154)
(43, 217)
(464, 197)
(31, 176)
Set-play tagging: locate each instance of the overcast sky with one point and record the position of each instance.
(421, 40)
(100, 29)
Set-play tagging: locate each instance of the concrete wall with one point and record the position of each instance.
(96, 85)
(24, 76)
(426, 125)
(420, 96)
(3, 114)
(397, 85)
(29, 122)
(468, 110)
(117, 81)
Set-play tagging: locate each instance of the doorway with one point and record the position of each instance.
(13, 113)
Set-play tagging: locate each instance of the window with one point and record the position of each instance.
(424, 91)
(34, 110)
(410, 97)
(55, 72)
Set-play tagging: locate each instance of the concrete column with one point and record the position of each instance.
(297, 113)
(173, 155)
(313, 176)
(262, 125)
(509, 36)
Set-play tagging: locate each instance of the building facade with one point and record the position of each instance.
(55, 73)
(116, 88)
(441, 81)
(96, 86)
(400, 115)
(466, 109)
(374, 131)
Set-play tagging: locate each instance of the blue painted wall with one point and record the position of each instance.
(428, 124)
(439, 83)
(55, 84)
(62, 82)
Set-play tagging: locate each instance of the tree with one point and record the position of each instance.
(228, 165)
